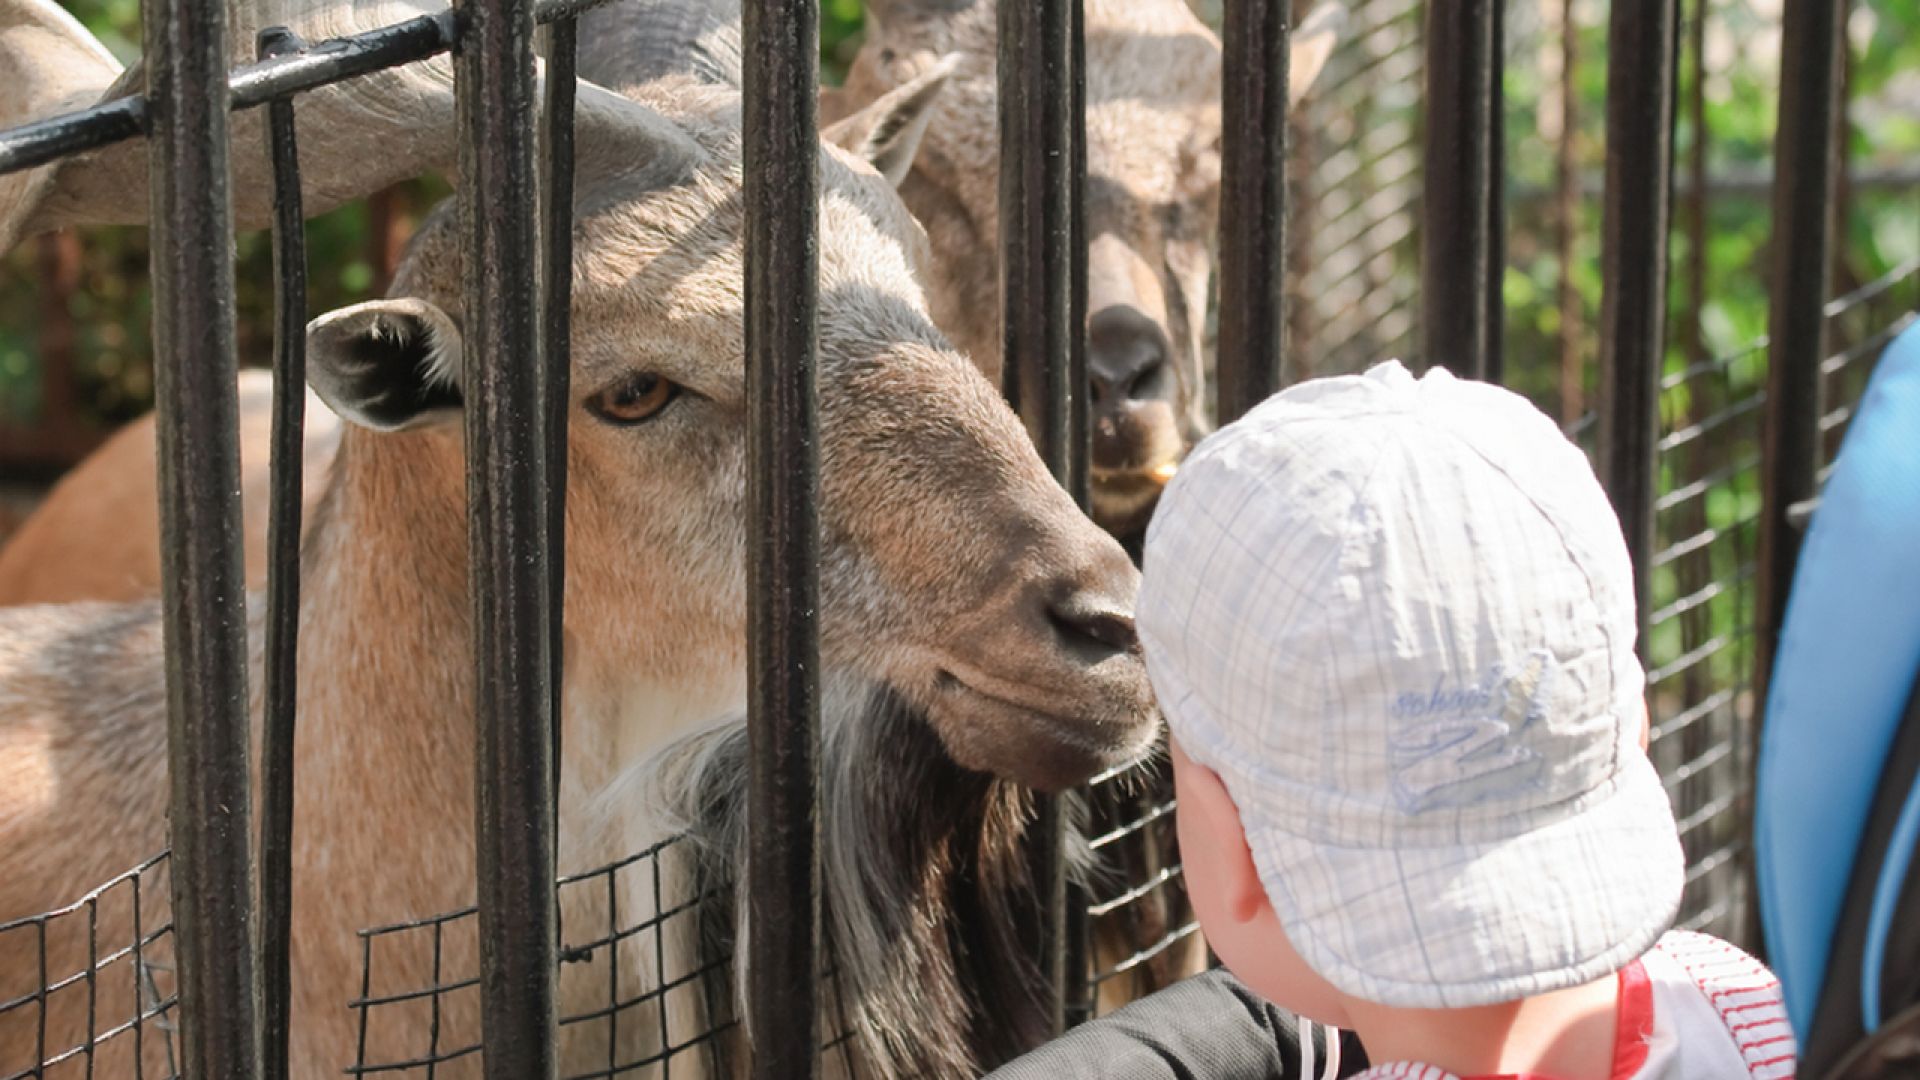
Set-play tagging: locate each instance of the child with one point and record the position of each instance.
(1391, 623)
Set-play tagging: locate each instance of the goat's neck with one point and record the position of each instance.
(385, 656)
(387, 618)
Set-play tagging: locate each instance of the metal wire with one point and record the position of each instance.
(99, 994)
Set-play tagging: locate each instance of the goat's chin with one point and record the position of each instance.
(1043, 750)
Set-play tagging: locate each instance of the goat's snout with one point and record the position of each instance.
(1093, 625)
(1127, 358)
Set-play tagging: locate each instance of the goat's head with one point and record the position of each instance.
(955, 571)
(1152, 210)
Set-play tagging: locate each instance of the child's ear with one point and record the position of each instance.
(1205, 800)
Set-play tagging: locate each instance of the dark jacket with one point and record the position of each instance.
(1211, 1027)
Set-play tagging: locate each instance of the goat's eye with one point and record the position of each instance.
(634, 399)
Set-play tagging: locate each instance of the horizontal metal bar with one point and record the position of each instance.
(1695, 599)
(1868, 347)
(1707, 425)
(342, 58)
(1158, 880)
(333, 61)
(1167, 941)
(1693, 714)
(28, 145)
(1750, 181)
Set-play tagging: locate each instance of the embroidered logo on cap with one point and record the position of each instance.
(1463, 745)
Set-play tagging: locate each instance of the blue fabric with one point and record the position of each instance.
(1842, 674)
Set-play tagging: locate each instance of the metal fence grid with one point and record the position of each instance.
(1701, 648)
(642, 990)
(93, 983)
(1353, 278)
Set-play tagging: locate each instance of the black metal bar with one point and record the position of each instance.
(203, 583)
(29, 145)
(283, 567)
(1642, 69)
(1804, 182)
(556, 217)
(1076, 925)
(782, 159)
(1038, 250)
(1804, 154)
(1493, 367)
(342, 58)
(1253, 204)
(1080, 400)
(508, 555)
(1075, 992)
(1456, 228)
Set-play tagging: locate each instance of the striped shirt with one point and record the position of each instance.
(1692, 1008)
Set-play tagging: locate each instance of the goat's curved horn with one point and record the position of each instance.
(356, 137)
(631, 42)
(49, 65)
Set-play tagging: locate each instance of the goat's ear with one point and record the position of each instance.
(1311, 44)
(887, 133)
(388, 365)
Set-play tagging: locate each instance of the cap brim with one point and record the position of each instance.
(1462, 925)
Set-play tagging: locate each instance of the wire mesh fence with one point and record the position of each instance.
(88, 989)
(1701, 648)
(1356, 188)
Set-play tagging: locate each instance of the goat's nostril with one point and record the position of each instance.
(1084, 619)
(1126, 355)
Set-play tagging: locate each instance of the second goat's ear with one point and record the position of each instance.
(1312, 45)
(888, 132)
(388, 365)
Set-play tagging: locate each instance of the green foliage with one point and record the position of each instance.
(841, 23)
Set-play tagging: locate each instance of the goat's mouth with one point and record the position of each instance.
(1123, 499)
(1032, 736)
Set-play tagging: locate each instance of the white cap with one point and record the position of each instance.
(1397, 617)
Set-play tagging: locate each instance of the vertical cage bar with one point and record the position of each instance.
(1494, 367)
(508, 534)
(1803, 191)
(283, 566)
(1456, 261)
(203, 586)
(1642, 69)
(556, 222)
(1253, 204)
(1805, 155)
(1077, 925)
(1080, 397)
(782, 159)
(1038, 254)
